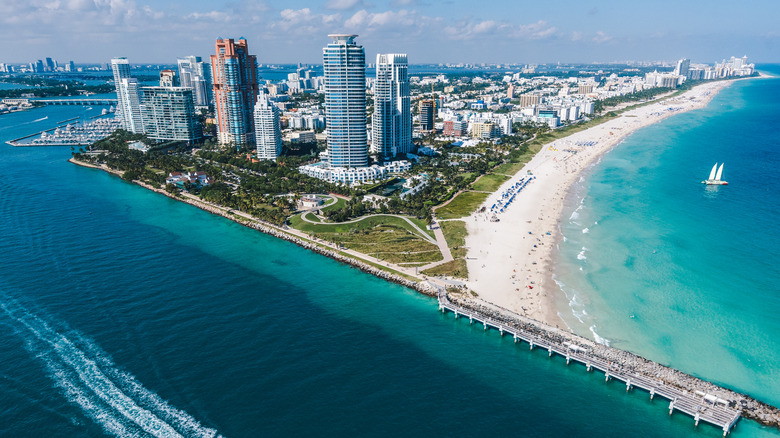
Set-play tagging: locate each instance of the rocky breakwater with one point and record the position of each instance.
(626, 362)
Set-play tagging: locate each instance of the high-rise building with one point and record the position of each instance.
(427, 116)
(391, 132)
(38, 67)
(196, 74)
(168, 78)
(344, 64)
(268, 132)
(70, 66)
(169, 114)
(49, 65)
(234, 72)
(128, 108)
(682, 67)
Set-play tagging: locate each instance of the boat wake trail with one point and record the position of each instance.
(112, 398)
(41, 119)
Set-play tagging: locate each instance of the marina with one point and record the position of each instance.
(70, 134)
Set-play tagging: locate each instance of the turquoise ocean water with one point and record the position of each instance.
(125, 313)
(657, 263)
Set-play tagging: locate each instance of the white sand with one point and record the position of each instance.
(504, 267)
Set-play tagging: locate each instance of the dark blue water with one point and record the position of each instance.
(125, 313)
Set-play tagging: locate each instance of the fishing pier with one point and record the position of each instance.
(699, 405)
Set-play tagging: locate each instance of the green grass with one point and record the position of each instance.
(489, 183)
(340, 203)
(365, 224)
(455, 235)
(310, 216)
(509, 168)
(462, 205)
(422, 224)
(455, 268)
(385, 237)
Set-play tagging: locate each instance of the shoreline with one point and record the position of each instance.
(529, 229)
(425, 286)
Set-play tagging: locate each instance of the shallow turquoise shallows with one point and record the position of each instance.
(125, 313)
(684, 273)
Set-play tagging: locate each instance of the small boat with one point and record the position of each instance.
(715, 174)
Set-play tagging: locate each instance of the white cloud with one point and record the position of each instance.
(601, 37)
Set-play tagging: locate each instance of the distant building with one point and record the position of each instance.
(584, 88)
(169, 114)
(682, 68)
(128, 108)
(455, 128)
(49, 65)
(234, 72)
(485, 130)
(168, 78)
(529, 100)
(196, 74)
(70, 67)
(391, 132)
(344, 64)
(268, 134)
(427, 115)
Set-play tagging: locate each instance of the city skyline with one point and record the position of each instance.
(430, 32)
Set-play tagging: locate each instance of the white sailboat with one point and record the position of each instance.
(715, 175)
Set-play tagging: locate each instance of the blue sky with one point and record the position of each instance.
(430, 31)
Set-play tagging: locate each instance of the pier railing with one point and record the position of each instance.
(712, 410)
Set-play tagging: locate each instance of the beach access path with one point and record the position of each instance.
(510, 261)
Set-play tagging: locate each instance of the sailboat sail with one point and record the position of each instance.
(720, 171)
(712, 172)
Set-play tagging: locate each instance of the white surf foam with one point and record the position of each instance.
(585, 230)
(112, 398)
(599, 339)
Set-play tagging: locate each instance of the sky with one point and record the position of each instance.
(429, 31)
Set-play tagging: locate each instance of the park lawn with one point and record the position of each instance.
(423, 226)
(455, 235)
(385, 242)
(509, 168)
(462, 205)
(455, 268)
(340, 203)
(364, 224)
(489, 182)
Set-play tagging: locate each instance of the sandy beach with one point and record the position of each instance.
(510, 261)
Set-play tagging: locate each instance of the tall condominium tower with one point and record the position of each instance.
(427, 116)
(268, 132)
(234, 72)
(128, 108)
(391, 132)
(196, 74)
(683, 66)
(344, 63)
(169, 114)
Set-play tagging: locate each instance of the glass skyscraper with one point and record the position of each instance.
(234, 72)
(391, 132)
(344, 63)
(128, 108)
(169, 114)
